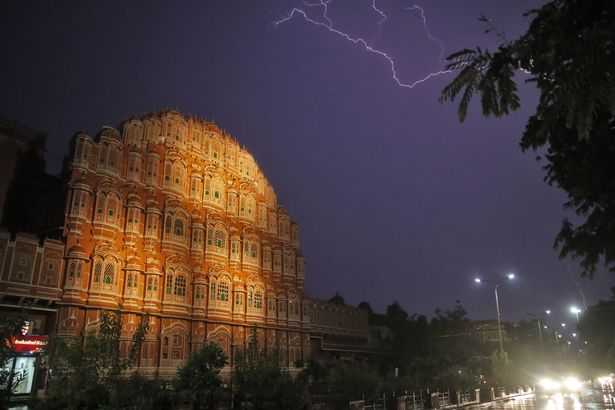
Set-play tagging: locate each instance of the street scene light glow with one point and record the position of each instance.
(477, 280)
(510, 276)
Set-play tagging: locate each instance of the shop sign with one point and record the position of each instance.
(28, 344)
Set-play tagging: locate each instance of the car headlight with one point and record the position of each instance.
(572, 383)
(549, 384)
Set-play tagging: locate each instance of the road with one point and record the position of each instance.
(589, 399)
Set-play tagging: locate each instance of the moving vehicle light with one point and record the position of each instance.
(572, 384)
(549, 384)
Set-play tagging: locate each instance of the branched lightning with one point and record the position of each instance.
(432, 38)
(383, 18)
(369, 47)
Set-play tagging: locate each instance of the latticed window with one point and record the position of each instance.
(109, 277)
(180, 286)
(254, 250)
(78, 273)
(169, 287)
(198, 294)
(167, 225)
(71, 270)
(212, 293)
(258, 299)
(97, 272)
(179, 227)
(250, 299)
(238, 299)
(223, 291)
(220, 238)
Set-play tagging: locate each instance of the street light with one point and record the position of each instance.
(576, 311)
(495, 285)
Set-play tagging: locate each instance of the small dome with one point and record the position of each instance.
(76, 251)
(109, 132)
(134, 263)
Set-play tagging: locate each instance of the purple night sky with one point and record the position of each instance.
(395, 198)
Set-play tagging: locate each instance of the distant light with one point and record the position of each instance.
(560, 336)
(548, 311)
(575, 310)
(549, 384)
(574, 335)
(545, 326)
(569, 342)
(510, 276)
(477, 280)
(572, 384)
(563, 324)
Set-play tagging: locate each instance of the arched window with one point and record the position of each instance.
(212, 291)
(179, 228)
(169, 287)
(102, 156)
(258, 299)
(250, 207)
(250, 298)
(72, 269)
(167, 225)
(97, 274)
(223, 291)
(109, 277)
(217, 191)
(78, 273)
(220, 238)
(254, 250)
(180, 286)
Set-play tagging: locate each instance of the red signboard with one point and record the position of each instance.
(28, 344)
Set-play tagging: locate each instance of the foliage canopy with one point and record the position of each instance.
(568, 53)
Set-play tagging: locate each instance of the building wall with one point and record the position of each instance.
(169, 220)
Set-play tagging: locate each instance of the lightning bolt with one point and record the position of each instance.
(369, 47)
(432, 38)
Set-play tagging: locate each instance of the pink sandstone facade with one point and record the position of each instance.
(172, 219)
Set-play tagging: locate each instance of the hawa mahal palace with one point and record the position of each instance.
(172, 222)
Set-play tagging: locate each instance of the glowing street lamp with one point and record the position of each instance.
(576, 311)
(495, 285)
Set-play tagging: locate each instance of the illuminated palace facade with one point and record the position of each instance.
(172, 218)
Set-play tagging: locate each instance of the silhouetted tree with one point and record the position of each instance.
(597, 327)
(199, 378)
(567, 52)
(260, 382)
(88, 373)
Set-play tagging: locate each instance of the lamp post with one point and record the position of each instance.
(542, 345)
(495, 285)
(576, 311)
